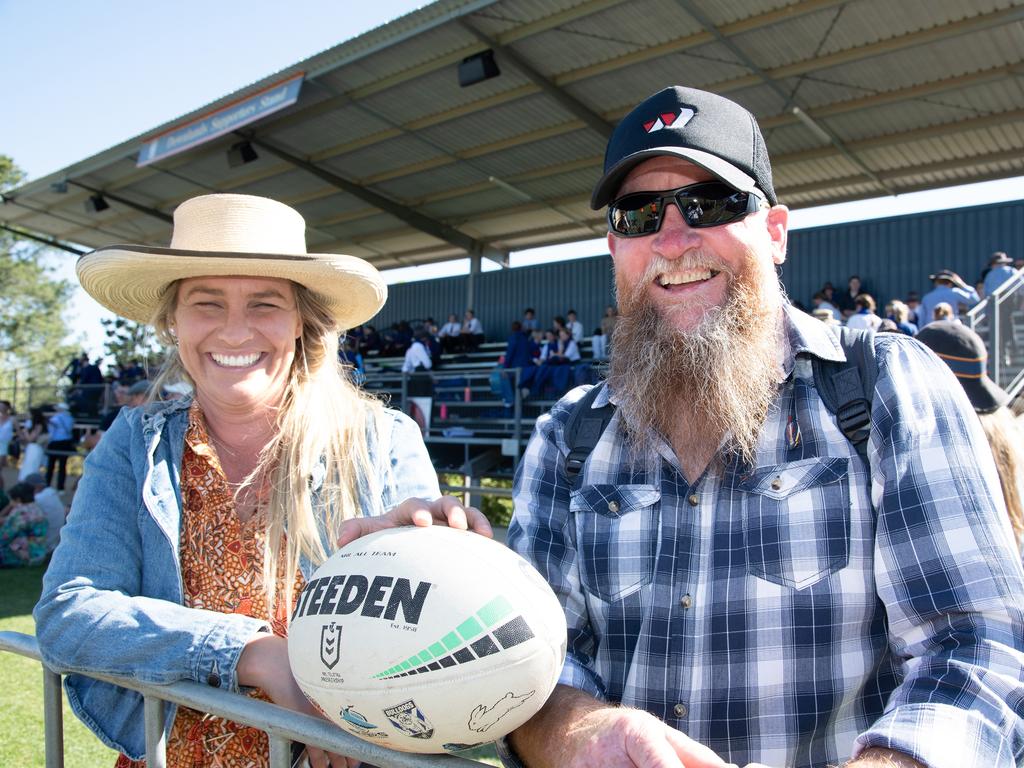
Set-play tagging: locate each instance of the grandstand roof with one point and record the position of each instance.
(388, 158)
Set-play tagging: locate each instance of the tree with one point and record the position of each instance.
(32, 303)
(128, 340)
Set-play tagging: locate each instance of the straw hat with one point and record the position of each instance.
(222, 235)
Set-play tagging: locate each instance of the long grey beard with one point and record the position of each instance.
(712, 383)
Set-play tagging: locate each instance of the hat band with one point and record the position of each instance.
(966, 367)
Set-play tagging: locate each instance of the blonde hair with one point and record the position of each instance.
(323, 419)
(1004, 438)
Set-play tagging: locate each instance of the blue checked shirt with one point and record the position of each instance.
(800, 611)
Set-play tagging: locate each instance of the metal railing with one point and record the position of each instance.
(282, 726)
(999, 321)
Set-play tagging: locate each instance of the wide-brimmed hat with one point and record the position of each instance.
(950, 275)
(999, 257)
(230, 235)
(964, 352)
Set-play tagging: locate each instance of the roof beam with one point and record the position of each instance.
(50, 241)
(411, 217)
(167, 218)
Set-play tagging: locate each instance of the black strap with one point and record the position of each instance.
(847, 387)
(585, 426)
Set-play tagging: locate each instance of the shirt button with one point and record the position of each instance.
(776, 483)
(680, 710)
(613, 507)
(213, 680)
(694, 499)
(686, 601)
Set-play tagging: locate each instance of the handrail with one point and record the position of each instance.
(282, 726)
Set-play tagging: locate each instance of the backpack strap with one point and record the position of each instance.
(584, 428)
(847, 388)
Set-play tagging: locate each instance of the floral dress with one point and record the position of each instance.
(23, 536)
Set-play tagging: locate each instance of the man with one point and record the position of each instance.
(449, 334)
(1000, 270)
(50, 502)
(819, 301)
(574, 326)
(846, 301)
(529, 322)
(949, 288)
(472, 331)
(738, 583)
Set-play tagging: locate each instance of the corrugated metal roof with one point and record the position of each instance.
(918, 93)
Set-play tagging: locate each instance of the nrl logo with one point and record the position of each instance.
(330, 644)
(669, 120)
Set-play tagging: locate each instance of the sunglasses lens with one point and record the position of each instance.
(702, 205)
(633, 215)
(715, 206)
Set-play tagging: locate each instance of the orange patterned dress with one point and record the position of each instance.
(222, 568)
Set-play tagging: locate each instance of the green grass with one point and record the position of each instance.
(21, 689)
(21, 692)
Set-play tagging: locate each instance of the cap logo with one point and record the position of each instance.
(669, 120)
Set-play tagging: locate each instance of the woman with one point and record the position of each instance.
(22, 529)
(197, 521)
(32, 436)
(964, 352)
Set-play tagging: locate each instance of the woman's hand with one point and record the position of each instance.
(264, 665)
(446, 510)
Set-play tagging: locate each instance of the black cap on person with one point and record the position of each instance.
(704, 128)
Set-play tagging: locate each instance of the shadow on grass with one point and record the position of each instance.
(20, 588)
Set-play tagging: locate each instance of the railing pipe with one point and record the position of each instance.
(281, 725)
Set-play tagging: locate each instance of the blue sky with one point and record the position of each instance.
(80, 77)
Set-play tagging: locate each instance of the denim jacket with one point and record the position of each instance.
(112, 596)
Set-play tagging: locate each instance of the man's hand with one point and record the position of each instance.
(264, 665)
(446, 510)
(574, 730)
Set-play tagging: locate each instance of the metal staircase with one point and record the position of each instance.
(999, 320)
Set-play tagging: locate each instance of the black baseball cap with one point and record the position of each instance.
(708, 130)
(964, 352)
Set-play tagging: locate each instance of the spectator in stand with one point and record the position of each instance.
(899, 313)
(864, 316)
(370, 342)
(575, 326)
(818, 301)
(1000, 270)
(557, 324)
(530, 322)
(90, 387)
(913, 302)
(449, 335)
(417, 356)
(827, 316)
(6, 436)
(965, 353)
(888, 326)
(943, 312)
(846, 301)
(949, 288)
(520, 351)
(32, 437)
(22, 529)
(555, 370)
(50, 502)
(599, 345)
(62, 444)
(472, 332)
(611, 316)
(349, 355)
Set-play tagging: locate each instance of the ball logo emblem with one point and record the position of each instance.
(330, 644)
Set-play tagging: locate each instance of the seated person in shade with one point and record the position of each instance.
(449, 335)
(864, 316)
(53, 507)
(555, 370)
(472, 332)
(22, 528)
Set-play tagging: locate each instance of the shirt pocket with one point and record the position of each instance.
(797, 520)
(616, 537)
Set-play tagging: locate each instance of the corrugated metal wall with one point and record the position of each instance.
(892, 256)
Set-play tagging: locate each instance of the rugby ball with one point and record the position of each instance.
(427, 639)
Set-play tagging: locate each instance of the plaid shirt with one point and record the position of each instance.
(799, 611)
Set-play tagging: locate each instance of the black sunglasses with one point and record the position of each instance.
(708, 204)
